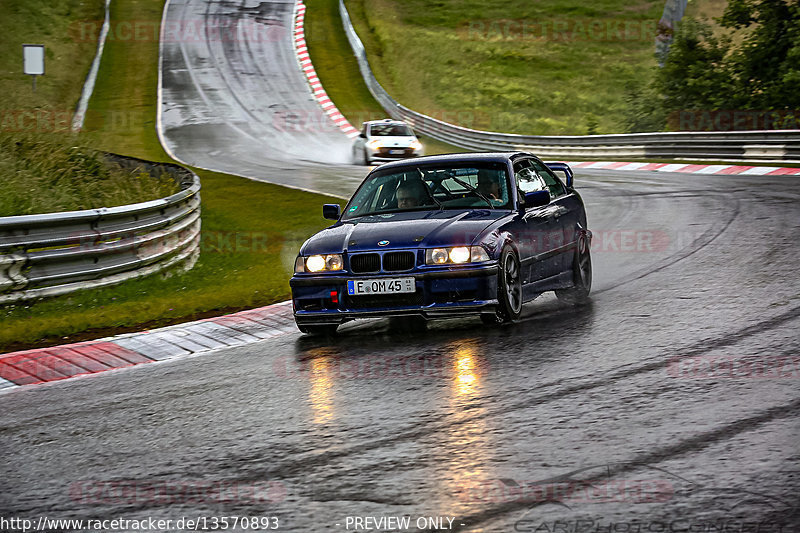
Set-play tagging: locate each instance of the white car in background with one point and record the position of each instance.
(385, 140)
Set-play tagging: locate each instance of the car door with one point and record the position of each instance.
(537, 227)
(563, 212)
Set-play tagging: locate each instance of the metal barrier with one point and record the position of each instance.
(56, 253)
(769, 145)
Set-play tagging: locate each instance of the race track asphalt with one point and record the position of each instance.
(672, 401)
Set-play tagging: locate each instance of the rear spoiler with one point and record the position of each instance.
(562, 167)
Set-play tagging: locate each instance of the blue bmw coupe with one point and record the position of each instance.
(449, 235)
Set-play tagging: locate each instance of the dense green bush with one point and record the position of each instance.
(752, 64)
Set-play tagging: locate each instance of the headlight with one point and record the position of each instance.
(333, 262)
(375, 143)
(459, 254)
(456, 255)
(319, 263)
(315, 263)
(416, 145)
(478, 254)
(437, 256)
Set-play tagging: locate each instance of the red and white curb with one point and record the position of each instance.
(689, 168)
(311, 75)
(43, 365)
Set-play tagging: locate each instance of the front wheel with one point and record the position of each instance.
(319, 330)
(581, 275)
(509, 288)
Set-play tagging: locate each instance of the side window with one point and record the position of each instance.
(526, 177)
(364, 130)
(553, 184)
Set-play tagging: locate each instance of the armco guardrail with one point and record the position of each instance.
(773, 145)
(56, 253)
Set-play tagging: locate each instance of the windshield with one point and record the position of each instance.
(426, 188)
(390, 130)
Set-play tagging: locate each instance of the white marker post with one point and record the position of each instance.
(33, 61)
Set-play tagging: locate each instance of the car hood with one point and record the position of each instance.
(403, 230)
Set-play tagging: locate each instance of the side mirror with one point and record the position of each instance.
(331, 211)
(537, 198)
(362, 135)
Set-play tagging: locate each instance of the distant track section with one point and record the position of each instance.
(766, 146)
(232, 98)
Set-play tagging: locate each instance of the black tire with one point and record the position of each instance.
(320, 330)
(490, 319)
(360, 157)
(509, 287)
(581, 275)
(366, 160)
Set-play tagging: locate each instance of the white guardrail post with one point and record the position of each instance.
(766, 145)
(57, 253)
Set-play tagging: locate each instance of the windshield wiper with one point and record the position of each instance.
(473, 189)
(428, 190)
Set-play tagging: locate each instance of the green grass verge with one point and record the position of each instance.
(43, 166)
(246, 259)
(47, 173)
(548, 68)
(247, 251)
(52, 23)
(122, 111)
(338, 72)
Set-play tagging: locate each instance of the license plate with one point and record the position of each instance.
(357, 287)
(396, 152)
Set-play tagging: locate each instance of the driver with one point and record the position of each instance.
(410, 194)
(488, 184)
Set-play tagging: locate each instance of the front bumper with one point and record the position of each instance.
(385, 153)
(456, 291)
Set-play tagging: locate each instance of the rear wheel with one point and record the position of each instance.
(321, 330)
(581, 275)
(509, 288)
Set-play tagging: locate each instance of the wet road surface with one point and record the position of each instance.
(673, 399)
(234, 99)
(671, 403)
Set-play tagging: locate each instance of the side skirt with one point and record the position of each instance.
(559, 281)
